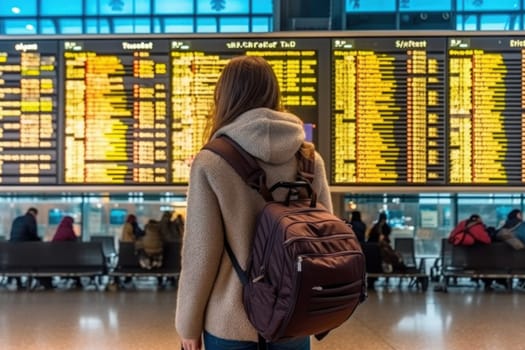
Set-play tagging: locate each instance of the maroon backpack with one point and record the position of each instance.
(306, 273)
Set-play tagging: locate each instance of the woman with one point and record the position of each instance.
(392, 261)
(513, 230)
(65, 231)
(247, 108)
(131, 230)
(381, 227)
(150, 246)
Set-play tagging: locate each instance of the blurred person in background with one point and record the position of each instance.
(25, 229)
(358, 226)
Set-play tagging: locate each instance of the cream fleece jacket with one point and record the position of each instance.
(210, 293)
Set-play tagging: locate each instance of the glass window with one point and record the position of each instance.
(234, 25)
(499, 22)
(493, 212)
(70, 26)
(118, 7)
(207, 25)
(142, 25)
(488, 5)
(122, 25)
(143, 7)
(60, 7)
(92, 26)
(178, 25)
(261, 24)
(157, 28)
(262, 6)
(18, 8)
(370, 5)
(95, 26)
(47, 26)
(20, 26)
(92, 7)
(114, 7)
(466, 22)
(223, 7)
(173, 7)
(427, 218)
(131, 25)
(424, 5)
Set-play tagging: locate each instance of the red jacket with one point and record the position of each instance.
(65, 230)
(468, 233)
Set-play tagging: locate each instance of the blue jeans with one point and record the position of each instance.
(212, 342)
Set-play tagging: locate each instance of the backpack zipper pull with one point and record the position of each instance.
(299, 263)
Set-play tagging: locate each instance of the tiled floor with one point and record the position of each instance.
(465, 318)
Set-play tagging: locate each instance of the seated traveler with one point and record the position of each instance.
(66, 233)
(150, 247)
(469, 232)
(24, 229)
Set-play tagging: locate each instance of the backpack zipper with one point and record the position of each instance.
(297, 276)
(299, 263)
(322, 238)
(267, 252)
(301, 257)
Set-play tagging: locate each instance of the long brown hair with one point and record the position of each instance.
(247, 82)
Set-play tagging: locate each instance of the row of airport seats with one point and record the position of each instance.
(414, 273)
(495, 261)
(99, 258)
(95, 260)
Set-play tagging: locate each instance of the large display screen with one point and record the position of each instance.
(196, 66)
(422, 109)
(136, 110)
(388, 113)
(116, 115)
(486, 100)
(28, 112)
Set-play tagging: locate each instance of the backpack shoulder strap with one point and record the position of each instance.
(306, 162)
(242, 162)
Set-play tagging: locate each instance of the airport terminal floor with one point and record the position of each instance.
(393, 318)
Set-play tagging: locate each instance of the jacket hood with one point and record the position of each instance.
(271, 136)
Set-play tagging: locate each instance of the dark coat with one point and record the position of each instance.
(359, 229)
(168, 229)
(24, 229)
(379, 228)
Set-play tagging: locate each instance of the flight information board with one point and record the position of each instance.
(116, 111)
(196, 66)
(414, 110)
(28, 112)
(388, 114)
(486, 101)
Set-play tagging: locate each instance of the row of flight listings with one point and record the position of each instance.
(427, 110)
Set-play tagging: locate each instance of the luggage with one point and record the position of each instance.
(306, 273)
(469, 231)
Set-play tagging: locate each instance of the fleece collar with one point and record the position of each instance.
(271, 136)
